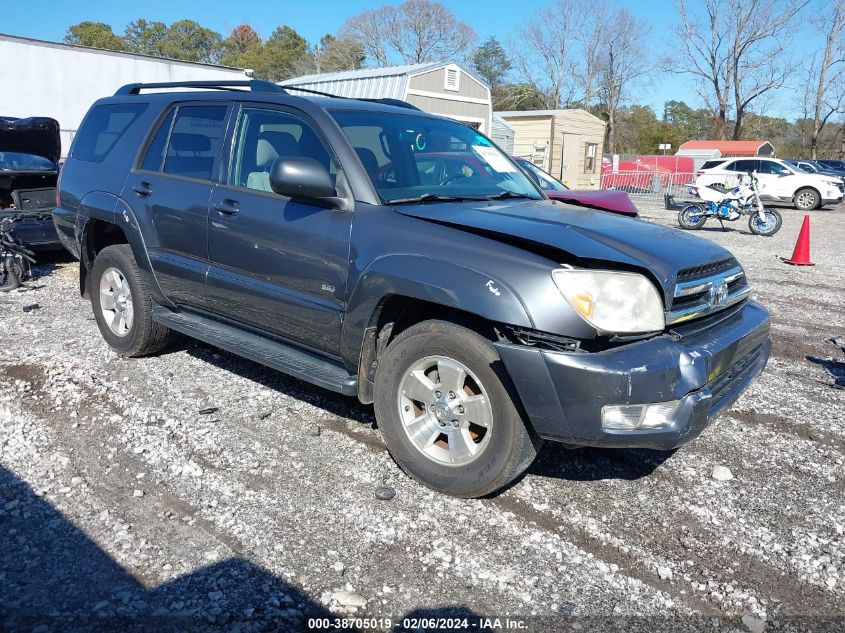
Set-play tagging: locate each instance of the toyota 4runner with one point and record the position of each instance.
(315, 235)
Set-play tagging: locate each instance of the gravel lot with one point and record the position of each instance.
(195, 490)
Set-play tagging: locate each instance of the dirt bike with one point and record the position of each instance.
(15, 259)
(730, 205)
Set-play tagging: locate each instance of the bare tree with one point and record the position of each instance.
(414, 31)
(621, 61)
(736, 48)
(827, 75)
(591, 37)
(544, 53)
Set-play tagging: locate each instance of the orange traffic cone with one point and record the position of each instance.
(801, 254)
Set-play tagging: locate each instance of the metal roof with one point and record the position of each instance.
(5, 37)
(515, 113)
(512, 114)
(731, 148)
(500, 122)
(370, 83)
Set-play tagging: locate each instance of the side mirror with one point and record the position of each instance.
(301, 178)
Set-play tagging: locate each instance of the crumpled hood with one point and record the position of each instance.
(35, 135)
(583, 233)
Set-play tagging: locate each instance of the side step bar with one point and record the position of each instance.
(287, 359)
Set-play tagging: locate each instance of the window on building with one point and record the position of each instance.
(590, 158)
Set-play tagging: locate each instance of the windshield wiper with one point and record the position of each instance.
(431, 197)
(509, 194)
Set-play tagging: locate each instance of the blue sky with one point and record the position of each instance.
(44, 19)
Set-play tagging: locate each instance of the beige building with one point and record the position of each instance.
(566, 143)
(440, 87)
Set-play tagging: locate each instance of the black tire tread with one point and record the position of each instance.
(151, 336)
(527, 442)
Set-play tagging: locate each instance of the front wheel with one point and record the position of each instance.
(766, 226)
(447, 411)
(807, 199)
(691, 217)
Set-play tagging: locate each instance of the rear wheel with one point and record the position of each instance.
(123, 304)
(767, 226)
(447, 412)
(807, 199)
(691, 217)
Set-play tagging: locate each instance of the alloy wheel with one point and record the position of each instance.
(445, 411)
(116, 302)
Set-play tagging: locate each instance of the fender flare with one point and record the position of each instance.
(435, 281)
(121, 216)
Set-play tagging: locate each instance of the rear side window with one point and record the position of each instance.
(102, 129)
(195, 141)
(743, 166)
(155, 151)
(710, 164)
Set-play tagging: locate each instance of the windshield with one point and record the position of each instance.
(413, 159)
(17, 161)
(547, 181)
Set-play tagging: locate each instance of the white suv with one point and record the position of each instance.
(776, 181)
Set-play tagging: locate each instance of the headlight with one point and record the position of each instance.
(612, 302)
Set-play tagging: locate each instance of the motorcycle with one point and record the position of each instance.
(730, 205)
(15, 259)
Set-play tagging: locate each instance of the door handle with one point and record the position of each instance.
(226, 207)
(143, 189)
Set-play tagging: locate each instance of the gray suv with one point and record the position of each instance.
(401, 258)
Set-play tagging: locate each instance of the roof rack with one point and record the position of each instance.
(386, 101)
(255, 85)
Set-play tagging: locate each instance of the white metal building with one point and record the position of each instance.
(439, 87)
(61, 81)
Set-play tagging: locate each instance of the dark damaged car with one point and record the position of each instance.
(29, 166)
(313, 235)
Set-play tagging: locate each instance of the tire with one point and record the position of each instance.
(10, 274)
(807, 199)
(686, 215)
(114, 272)
(774, 220)
(504, 448)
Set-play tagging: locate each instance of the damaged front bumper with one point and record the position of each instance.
(703, 370)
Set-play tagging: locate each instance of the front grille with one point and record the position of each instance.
(704, 295)
(721, 386)
(697, 296)
(707, 270)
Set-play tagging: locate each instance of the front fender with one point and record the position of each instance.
(432, 280)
